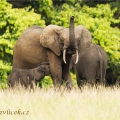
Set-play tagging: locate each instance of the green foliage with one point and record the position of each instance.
(12, 23)
(45, 8)
(73, 78)
(46, 82)
(99, 20)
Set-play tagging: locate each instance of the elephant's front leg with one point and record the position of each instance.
(55, 63)
(66, 71)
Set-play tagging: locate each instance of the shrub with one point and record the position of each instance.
(12, 23)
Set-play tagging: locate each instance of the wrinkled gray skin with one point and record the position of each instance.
(28, 77)
(91, 66)
(37, 45)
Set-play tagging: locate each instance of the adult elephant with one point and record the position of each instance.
(92, 60)
(53, 44)
(91, 66)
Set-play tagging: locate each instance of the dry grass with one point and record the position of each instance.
(40, 104)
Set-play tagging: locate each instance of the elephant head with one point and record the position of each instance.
(41, 71)
(59, 39)
(83, 38)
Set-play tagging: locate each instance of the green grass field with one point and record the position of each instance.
(47, 104)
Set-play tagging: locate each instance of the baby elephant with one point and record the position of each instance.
(28, 77)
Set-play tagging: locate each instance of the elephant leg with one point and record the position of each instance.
(79, 80)
(104, 73)
(55, 68)
(66, 72)
(33, 84)
(91, 76)
(67, 79)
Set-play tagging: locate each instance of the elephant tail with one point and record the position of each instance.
(101, 65)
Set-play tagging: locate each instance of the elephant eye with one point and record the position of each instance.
(39, 71)
(61, 40)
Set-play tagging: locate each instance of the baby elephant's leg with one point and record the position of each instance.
(33, 84)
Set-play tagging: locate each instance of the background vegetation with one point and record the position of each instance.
(100, 17)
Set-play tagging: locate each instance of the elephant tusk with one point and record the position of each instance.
(64, 56)
(76, 57)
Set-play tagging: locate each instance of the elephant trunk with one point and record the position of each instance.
(71, 33)
(72, 43)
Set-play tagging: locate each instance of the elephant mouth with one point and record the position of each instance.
(70, 51)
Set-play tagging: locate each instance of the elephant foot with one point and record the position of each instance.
(69, 85)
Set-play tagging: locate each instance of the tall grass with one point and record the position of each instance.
(49, 104)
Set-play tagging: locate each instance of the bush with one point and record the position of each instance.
(45, 8)
(12, 23)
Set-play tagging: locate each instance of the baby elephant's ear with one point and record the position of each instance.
(41, 68)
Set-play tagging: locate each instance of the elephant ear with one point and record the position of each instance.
(84, 37)
(49, 38)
